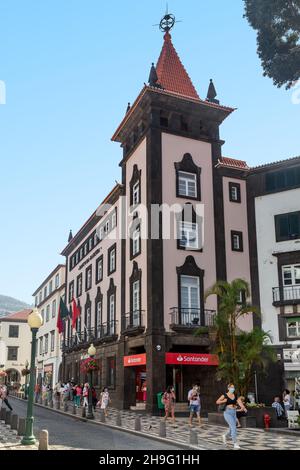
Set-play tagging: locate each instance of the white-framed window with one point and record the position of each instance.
(113, 220)
(43, 315)
(291, 275)
(112, 308)
(188, 237)
(88, 278)
(136, 193)
(88, 318)
(41, 346)
(236, 242)
(293, 328)
(98, 316)
(36, 300)
(85, 249)
(81, 253)
(99, 270)
(136, 241)
(52, 340)
(101, 233)
(234, 193)
(187, 184)
(106, 226)
(50, 287)
(47, 313)
(40, 297)
(112, 260)
(136, 303)
(90, 243)
(190, 300)
(54, 308)
(95, 239)
(71, 293)
(76, 257)
(45, 292)
(46, 344)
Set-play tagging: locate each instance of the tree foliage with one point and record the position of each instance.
(277, 23)
(238, 351)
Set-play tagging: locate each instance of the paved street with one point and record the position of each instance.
(80, 435)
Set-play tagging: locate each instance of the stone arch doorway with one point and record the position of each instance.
(13, 377)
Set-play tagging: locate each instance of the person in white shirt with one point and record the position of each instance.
(286, 400)
(195, 403)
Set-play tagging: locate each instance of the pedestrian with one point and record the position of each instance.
(278, 407)
(144, 391)
(78, 394)
(44, 392)
(286, 400)
(104, 400)
(194, 403)
(228, 403)
(4, 395)
(240, 413)
(169, 399)
(85, 394)
(94, 398)
(66, 393)
(37, 389)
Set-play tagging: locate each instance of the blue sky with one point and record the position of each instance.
(70, 67)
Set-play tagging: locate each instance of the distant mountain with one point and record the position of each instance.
(10, 305)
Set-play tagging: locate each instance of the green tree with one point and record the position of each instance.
(238, 351)
(277, 23)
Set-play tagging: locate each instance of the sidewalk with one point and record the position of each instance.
(209, 436)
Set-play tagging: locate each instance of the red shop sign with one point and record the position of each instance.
(135, 360)
(188, 359)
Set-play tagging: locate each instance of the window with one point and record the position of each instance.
(90, 243)
(293, 327)
(13, 331)
(136, 303)
(136, 193)
(43, 315)
(111, 259)
(47, 312)
(88, 318)
(99, 269)
(96, 239)
(45, 292)
(106, 227)
(236, 241)
(50, 287)
(111, 372)
(79, 285)
(188, 236)
(12, 353)
(101, 233)
(85, 249)
(282, 179)
(71, 291)
(52, 341)
(98, 320)
(41, 346)
(40, 297)
(235, 192)
(241, 297)
(88, 278)
(112, 308)
(114, 220)
(76, 257)
(187, 184)
(287, 226)
(190, 300)
(291, 275)
(136, 241)
(46, 344)
(56, 281)
(36, 300)
(54, 308)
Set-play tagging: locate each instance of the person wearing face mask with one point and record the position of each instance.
(229, 403)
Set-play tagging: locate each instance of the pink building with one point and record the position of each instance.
(142, 297)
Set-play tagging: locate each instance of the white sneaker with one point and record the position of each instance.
(236, 446)
(224, 439)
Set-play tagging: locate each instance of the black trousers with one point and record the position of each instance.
(7, 403)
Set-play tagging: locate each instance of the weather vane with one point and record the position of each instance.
(167, 22)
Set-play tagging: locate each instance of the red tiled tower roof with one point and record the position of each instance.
(233, 163)
(172, 75)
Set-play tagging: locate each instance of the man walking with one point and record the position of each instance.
(3, 396)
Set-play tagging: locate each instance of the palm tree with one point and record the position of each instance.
(238, 351)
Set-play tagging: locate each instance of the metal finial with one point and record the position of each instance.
(167, 23)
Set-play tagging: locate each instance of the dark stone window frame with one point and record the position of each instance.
(135, 178)
(190, 268)
(238, 187)
(98, 299)
(187, 165)
(136, 275)
(111, 291)
(79, 292)
(277, 219)
(240, 235)
(99, 260)
(194, 221)
(282, 327)
(136, 224)
(110, 249)
(71, 285)
(89, 268)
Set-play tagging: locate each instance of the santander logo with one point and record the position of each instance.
(180, 359)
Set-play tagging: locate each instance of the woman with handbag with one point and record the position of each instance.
(228, 403)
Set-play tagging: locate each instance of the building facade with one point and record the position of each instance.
(48, 352)
(141, 296)
(15, 346)
(274, 215)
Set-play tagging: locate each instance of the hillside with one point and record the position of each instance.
(9, 305)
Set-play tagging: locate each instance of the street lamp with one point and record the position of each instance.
(34, 321)
(90, 414)
(26, 378)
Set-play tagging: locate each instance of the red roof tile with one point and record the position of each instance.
(233, 163)
(21, 315)
(172, 75)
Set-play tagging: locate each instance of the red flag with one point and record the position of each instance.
(75, 313)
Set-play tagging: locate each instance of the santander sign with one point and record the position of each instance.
(189, 359)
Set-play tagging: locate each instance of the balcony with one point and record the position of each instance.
(103, 333)
(189, 319)
(286, 295)
(134, 323)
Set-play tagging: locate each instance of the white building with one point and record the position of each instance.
(274, 197)
(47, 299)
(15, 345)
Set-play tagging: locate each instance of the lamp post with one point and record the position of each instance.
(26, 378)
(90, 414)
(35, 321)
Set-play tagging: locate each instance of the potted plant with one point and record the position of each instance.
(25, 372)
(89, 365)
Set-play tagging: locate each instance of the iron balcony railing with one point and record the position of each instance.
(192, 317)
(88, 335)
(286, 294)
(108, 329)
(135, 319)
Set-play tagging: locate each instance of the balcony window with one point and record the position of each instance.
(291, 275)
(136, 193)
(293, 328)
(52, 340)
(99, 269)
(111, 259)
(56, 281)
(287, 226)
(79, 285)
(88, 278)
(187, 184)
(53, 308)
(136, 303)
(136, 241)
(188, 236)
(190, 299)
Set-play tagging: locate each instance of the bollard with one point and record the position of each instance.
(14, 422)
(119, 420)
(193, 437)
(83, 412)
(102, 416)
(21, 426)
(137, 424)
(162, 429)
(58, 405)
(3, 414)
(43, 440)
(65, 407)
(51, 404)
(8, 417)
(74, 410)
